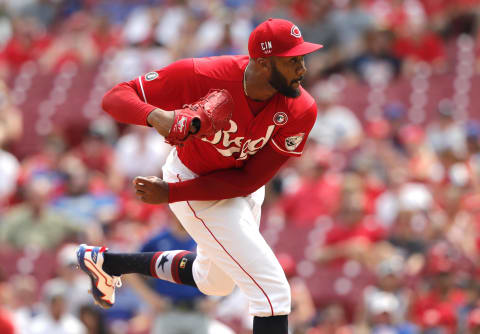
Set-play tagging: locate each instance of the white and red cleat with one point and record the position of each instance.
(90, 260)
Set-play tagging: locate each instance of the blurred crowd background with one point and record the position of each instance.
(377, 225)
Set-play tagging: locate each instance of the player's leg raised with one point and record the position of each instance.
(228, 236)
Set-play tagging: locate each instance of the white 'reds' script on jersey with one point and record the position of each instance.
(231, 146)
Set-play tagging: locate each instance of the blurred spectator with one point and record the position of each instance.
(68, 275)
(97, 154)
(377, 58)
(473, 149)
(107, 37)
(25, 302)
(78, 203)
(74, 43)
(340, 27)
(410, 233)
(383, 309)
(445, 132)
(223, 32)
(95, 150)
(398, 14)
(435, 309)
(395, 114)
(28, 42)
(5, 25)
(137, 59)
(141, 151)
(129, 313)
(11, 120)
(56, 318)
(34, 223)
(282, 9)
(422, 164)
(317, 26)
(92, 319)
(45, 11)
(316, 192)
(474, 322)
(140, 24)
(225, 46)
(417, 43)
(468, 312)
(354, 234)
(351, 21)
(332, 321)
(385, 304)
(336, 126)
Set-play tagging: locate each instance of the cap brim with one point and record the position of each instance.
(301, 49)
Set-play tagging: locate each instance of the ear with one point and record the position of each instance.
(264, 64)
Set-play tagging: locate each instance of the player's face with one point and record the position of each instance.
(286, 74)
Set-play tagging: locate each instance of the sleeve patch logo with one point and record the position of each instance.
(280, 118)
(291, 143)
(151, 76)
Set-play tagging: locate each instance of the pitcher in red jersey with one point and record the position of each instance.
(215, 184)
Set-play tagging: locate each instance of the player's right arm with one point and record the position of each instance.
(150, 99)
(123, 103)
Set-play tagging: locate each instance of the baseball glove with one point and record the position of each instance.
(208, 115)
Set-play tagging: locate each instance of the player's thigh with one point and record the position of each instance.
(228, 234)
(209, 277)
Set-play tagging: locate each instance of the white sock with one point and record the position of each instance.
(163, 265)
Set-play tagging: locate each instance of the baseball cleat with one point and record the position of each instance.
(90, 260)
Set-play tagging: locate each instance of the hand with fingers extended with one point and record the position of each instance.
(151, 189)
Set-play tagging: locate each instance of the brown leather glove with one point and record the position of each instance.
(208, 115)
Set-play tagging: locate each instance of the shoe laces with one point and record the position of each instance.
(117, 281)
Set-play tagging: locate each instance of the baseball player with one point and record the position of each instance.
(250, 117)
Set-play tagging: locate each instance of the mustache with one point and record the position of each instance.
(297, 80)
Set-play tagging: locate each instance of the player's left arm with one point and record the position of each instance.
(222, 184)
(230, 183)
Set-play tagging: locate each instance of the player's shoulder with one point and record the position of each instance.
(226, 68)
(303, 106)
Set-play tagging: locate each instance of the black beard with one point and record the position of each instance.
(279, 82)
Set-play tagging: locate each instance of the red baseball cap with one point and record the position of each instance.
(277, 37)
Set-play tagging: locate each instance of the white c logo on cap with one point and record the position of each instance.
(295, 32)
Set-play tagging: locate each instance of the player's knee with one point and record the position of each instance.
(284, 306)
(278, 301)
(222, 289)
(282, 297)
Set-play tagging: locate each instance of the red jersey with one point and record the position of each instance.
(284, 123)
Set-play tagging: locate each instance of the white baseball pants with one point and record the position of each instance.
(230, 248)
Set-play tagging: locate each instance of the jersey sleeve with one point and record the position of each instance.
(229, 183)
(170, 87)
(291, 138)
